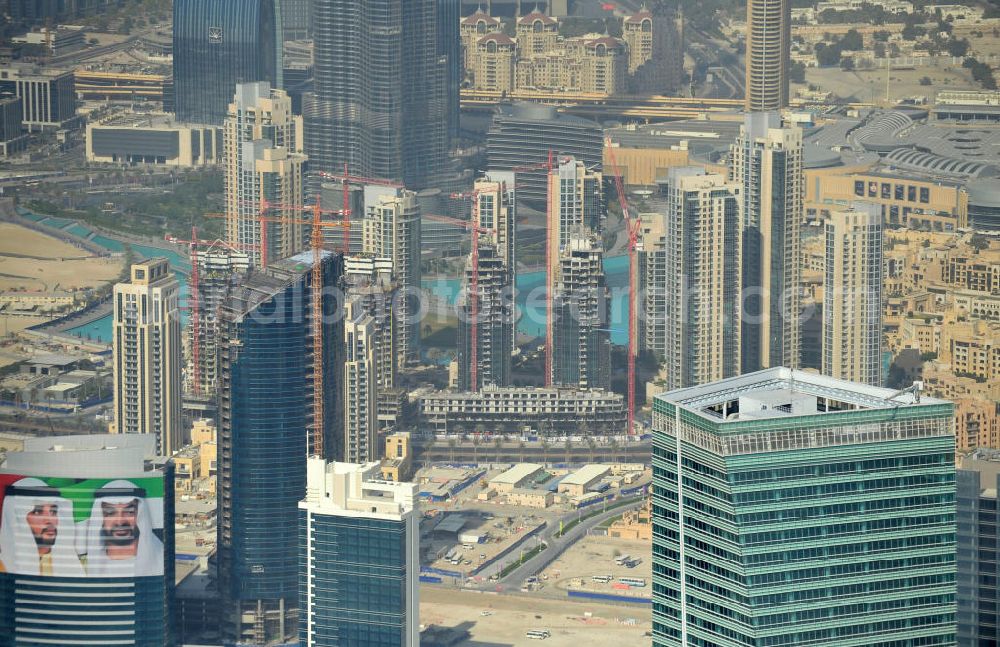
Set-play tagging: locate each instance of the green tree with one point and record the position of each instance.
(958, 47)
(797, 74)
(847, 63)
(852, 41)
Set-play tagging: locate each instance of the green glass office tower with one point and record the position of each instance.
(795, 509)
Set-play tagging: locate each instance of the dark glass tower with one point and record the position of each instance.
(449, 39)
(379, 101)
(265, 421)
(217, 44)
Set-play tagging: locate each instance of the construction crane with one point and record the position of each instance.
(316, 320)
(549, 253)
(264, 219)
(194, 303)
(632, 226)
(347, 180)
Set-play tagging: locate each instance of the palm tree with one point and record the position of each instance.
(545, 450)
(498, 443)
(521, 445)
(569, 446)
(592, 446)
(451, 444)
(475, 449)
(614, 449)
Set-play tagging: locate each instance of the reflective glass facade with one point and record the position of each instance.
(266, 413)
(358, 594)
(978, 559)
(217, 44)
(379, 104)
(825, 529)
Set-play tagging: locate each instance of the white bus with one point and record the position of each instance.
(538, 634)
(633, 581)
(604, 579)
(621, 560)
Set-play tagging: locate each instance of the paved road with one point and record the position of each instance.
(557, 545)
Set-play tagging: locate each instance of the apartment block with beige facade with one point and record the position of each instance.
(264, 165)
(147, 355)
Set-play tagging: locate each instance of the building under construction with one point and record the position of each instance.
(267, 347)
(493, 316)
(581, 340)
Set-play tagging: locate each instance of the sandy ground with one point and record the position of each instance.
(865, 85)
(83, 270)
(596, 556)
(21, 240)
(511, 616)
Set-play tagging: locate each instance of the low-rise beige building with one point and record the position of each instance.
(496, 55)
(580, 481)
(516, 477)
(530, 498)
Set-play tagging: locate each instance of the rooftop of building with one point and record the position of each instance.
(528, 111)
(259, 286)
(516, 474)
(520, 393)
(782, 392)
(84, 456)
(586, 474)
(143, 120)
(480, 16)
(536, 15)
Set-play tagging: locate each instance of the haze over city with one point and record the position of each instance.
(471, 323)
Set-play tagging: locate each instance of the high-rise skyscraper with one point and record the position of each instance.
(391, 230)
(651, 273)
(359, 558)
(791, 508)
(978, 552)
(852, 295)
(576, 200)
(497, 214)
(217, 44)
(768, 55)
(767, 160)
(219, 268)
(494, 322)
(702, 274)
(147, 355)
(101, 569)
(495, 278)
(295, 16)
(264, 173)
(370, 362)
(449, 44)
(266, 425)
(977, 548)
(581, 343)
(379, 103)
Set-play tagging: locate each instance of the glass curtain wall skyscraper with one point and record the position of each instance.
(217, 44)
(449, 40)
(379, 101)
(264, 437)
(794, 510)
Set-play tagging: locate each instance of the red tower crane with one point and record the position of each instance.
(632, 226)
(194, 304)
(316, 319)
(549, 254)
